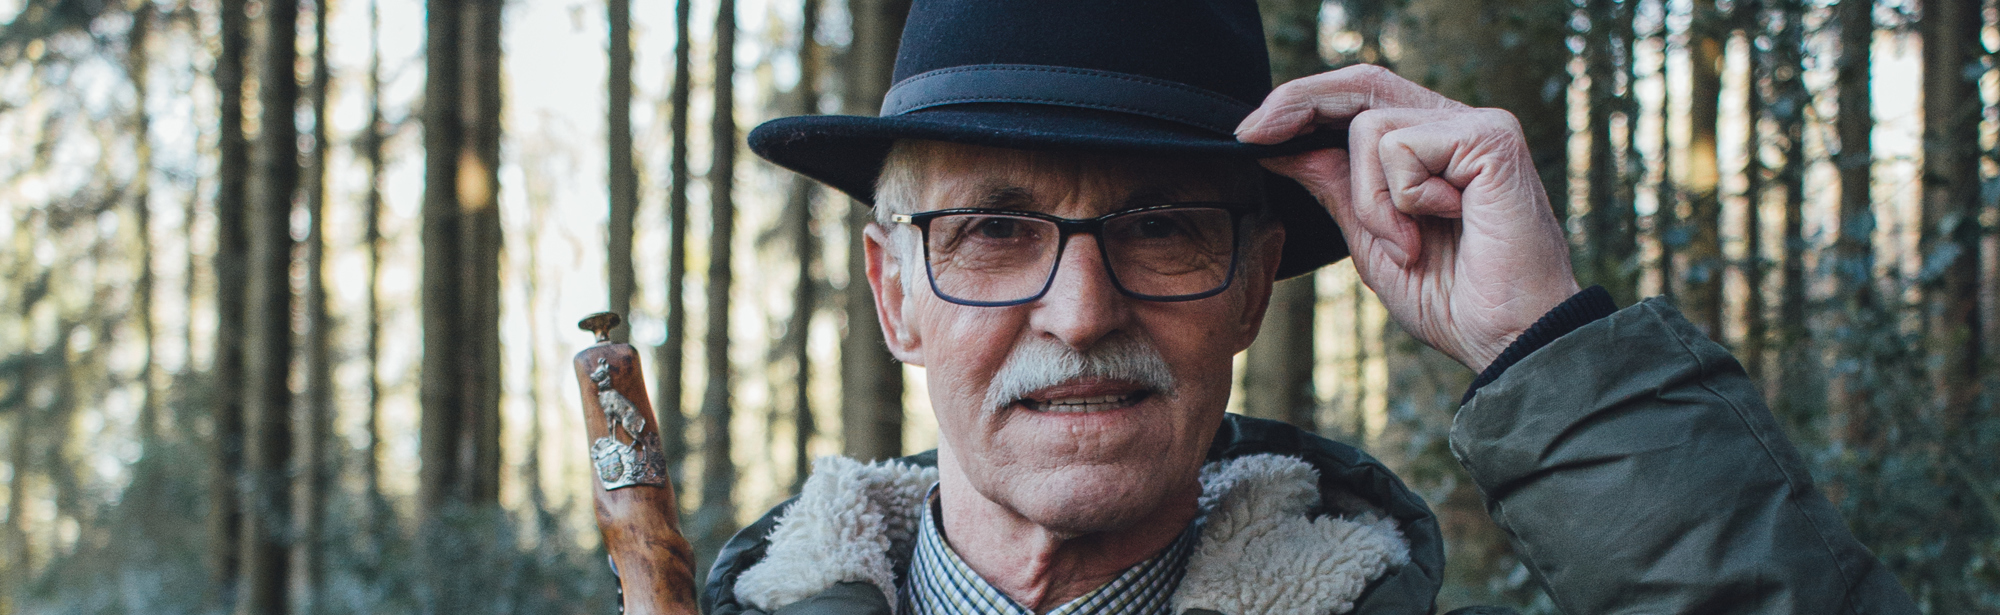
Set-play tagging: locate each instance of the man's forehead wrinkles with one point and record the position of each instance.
(993, 178)
(1157, 194)
(1004, 196)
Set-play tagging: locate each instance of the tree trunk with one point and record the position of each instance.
(313, 426)
(1950, 237)
(805, 298)
(1853, 248)
(1277, 371)
(624, 178)
(1949, 242)
(1667, 230)
(1750, 19)
(715, 521)
(142, 218)
(268, 355)
(672, 354)
(1797, 361)
(447, 360)
(232, 252)
(531, 468)
(871, 380)
(58, 420)
(1702, 281)
(1277, 374)
(1622, 246)
(1608, 236)
(1358, 428)
(479, 203)
(20, 556)
(1989, 267)
(371, 154)
(441, 388)
(1854, 124)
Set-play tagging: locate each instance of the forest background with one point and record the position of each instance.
(289, 286)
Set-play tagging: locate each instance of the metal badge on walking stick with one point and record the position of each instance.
(635, 459)
(636, 508)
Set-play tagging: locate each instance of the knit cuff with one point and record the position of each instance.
(1580, 309)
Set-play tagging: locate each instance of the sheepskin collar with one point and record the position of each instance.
(1261, 553)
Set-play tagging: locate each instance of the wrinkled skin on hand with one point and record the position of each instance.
(1440, 203)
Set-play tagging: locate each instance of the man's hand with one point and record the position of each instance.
(1440, 204)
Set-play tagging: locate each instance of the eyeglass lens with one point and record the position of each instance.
(1157, 254)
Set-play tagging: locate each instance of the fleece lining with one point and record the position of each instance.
(849, 521)
(1261, 552)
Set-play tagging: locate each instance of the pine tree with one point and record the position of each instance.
(1609, 240)
(805, 296)
(624, 177)
(371, 153)
(715, 520)
(1796, 359)
(1853, 248)
(871, 381)
(1277, 374)
(1749, 18)
(479, 203)
(671, 355)
(1701, 282)
(313, 426)
(232, 253)
(267, 450)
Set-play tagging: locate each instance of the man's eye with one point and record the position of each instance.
(1156, 227)
(998, 228)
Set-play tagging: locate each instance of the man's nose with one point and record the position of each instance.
(1083, 304)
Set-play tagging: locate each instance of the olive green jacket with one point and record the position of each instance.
(1631, 462)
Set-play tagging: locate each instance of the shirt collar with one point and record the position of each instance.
(939, 583)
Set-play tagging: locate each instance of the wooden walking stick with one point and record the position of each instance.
(635, 503)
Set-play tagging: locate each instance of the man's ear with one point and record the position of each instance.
(1258, 281)
(885, 279)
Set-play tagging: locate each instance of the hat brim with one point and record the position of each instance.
(847, 152)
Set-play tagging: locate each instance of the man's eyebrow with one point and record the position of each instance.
(1005, 197)
(1162, 194)
(1150, 195)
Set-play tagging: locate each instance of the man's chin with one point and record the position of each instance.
(1091, 499)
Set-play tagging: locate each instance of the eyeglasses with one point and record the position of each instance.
(993, 258)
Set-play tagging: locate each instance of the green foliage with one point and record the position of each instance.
(1915, 481)
(145, 552)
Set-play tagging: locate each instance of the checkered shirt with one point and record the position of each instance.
(939, 583)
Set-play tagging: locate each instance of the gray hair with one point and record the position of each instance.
(1038, 363)
(897, 191)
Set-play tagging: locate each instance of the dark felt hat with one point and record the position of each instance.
(1146, 77)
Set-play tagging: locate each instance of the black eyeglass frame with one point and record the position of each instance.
(1071, 226)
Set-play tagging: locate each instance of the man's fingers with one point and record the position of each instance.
(1414, 160)
(1332, 97)
(1427, 166)
(1377, 208)
(1424, 195)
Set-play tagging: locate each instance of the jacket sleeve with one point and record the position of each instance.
(1636, 470)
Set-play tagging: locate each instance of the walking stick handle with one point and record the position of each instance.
(636, 509)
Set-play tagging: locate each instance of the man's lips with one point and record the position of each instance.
(1085, 397)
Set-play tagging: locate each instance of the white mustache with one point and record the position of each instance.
(1039, 363)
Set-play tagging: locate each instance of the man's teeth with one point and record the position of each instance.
(1083, 404)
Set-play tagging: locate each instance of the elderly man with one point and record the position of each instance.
(1081, 210)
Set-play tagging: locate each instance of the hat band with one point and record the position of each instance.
(1067, 87)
